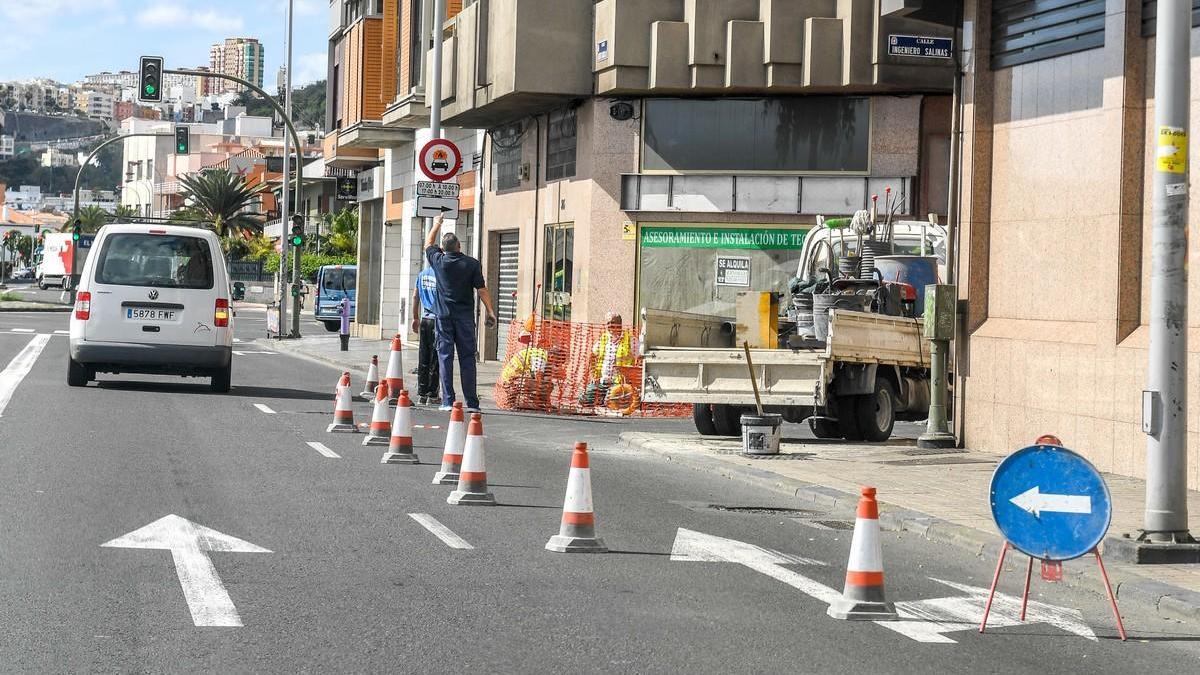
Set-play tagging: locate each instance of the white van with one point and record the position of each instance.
(153, 299)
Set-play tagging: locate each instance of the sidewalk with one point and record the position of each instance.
(327, 349)
(26, 306)
(942, 495)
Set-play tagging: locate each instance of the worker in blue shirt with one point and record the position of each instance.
(459, 280)
(424, 306)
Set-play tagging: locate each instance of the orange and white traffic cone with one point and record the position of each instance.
(456, 437)
(343, 411)
(863, 599)
(577, 533)
(472, 487)
(400, 450)
(395, 369)
(380, 431)
(368, 391)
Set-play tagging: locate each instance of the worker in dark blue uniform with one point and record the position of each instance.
(459, 280)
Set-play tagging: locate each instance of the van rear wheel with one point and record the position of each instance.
(332, 326)
(221, 379)
(78, 374)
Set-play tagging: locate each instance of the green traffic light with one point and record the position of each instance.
(150, 89)
(296, 241)
(182, 147)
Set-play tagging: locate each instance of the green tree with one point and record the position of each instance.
(343, 232)
(219, 197)
(125, 213)
(92, 218)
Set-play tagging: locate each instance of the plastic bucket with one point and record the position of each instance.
(823, 302)
(761, 433)
(915, 270)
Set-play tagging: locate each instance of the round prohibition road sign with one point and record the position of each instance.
(440, 159)
(1050, 503)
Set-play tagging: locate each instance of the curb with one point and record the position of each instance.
(37, 308)
(1167, 601)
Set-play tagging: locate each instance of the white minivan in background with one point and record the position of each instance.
(153, 299)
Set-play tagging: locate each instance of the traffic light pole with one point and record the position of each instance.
(78, 175)
(287, 121)
(287, 114)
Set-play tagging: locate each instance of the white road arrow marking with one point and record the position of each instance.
(924, 620)
(189, 544)
(1035, 501)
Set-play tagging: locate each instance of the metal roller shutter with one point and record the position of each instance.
(506, 302)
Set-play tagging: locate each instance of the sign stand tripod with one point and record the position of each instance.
(1051, 571)
(1051, 504)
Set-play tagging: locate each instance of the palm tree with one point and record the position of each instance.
(219, 196)
(343, 232)
(125, 213)
(91, 218)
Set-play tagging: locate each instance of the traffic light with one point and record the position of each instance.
(183, 140)
(77, 230)
(297, 231)
(150, 79)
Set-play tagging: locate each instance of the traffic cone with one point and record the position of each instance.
(578, 531)
(400, 450)
(343, 411)
(368, 391)
(380, 431)
(472, 487)
(395, 369)
(456, 436)
(862, 599)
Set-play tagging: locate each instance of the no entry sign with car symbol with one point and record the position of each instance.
(440, 159)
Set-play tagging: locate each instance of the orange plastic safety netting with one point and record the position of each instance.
(576, 368)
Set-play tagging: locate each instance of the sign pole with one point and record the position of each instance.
(1165, 409)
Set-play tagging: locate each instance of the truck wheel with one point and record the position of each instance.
(42, 284)
(823, 428)
(847, 407)
(702, 416)
(77, 373)
(727, 420)
(332, 326)
(877, 412)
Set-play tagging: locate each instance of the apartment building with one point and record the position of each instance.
(237, 56)
(7, 147)
(95, 103)
(592, 132)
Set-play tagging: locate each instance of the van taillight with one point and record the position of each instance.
(221, 313)
(83, 305)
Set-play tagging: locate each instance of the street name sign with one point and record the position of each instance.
(920, 46)
(432, 207)
(440, 159)
(426, 188)
(1050, 503)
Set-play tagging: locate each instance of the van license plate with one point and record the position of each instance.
(148, 314)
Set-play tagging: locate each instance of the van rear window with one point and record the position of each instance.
(165, 261)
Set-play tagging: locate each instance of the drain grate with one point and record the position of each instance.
(911, 452)
(762, 510)
(932, 461)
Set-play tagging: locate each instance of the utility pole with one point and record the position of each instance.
(1164, 403)
(434, 94)
(287, 107)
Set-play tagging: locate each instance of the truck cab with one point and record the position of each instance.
(334, 282)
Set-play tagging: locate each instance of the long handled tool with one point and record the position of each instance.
(753, 382)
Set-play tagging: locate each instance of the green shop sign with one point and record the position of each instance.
(721, 237)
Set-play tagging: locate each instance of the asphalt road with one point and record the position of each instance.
(350, 582)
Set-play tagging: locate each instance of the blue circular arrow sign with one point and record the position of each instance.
(1050, 503)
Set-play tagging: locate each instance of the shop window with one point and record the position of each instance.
(813, 134)
(687, 268)
(560, 145)
(558, 269)
(506, 157)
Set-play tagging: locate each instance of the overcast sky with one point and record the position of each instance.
(67, 39)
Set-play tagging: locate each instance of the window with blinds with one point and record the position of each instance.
(1150, 14)
(1024, 31)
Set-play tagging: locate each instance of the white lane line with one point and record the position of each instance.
(62, 332)
(320, 447)
(439, 530)
(241, 353)
(18, 368)
(23, 330)
(237, 339)
(264, 408)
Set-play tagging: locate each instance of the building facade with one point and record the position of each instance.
(655, 121)
(1058, 161)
